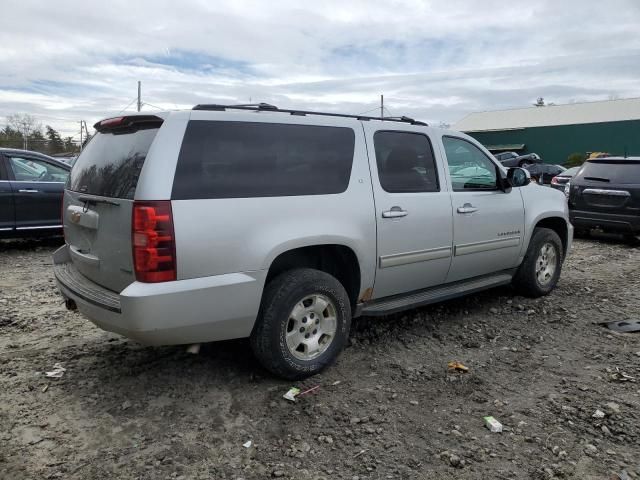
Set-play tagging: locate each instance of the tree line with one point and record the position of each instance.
(24, 131)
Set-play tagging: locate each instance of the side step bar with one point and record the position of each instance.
(397, 303)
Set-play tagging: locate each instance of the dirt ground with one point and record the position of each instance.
(389, 409)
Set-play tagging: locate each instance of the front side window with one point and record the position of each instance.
(253, 159)
(405, 162)
(34, 170)
(469, 167)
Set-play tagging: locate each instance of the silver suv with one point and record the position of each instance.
(281, 225)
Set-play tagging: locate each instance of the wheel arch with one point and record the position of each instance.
(336, 259)
(558, 225)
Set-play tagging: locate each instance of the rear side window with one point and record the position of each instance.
(247, 159)
(110, 164)
(405, 162)
(611, 171)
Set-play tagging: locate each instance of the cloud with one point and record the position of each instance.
(434, 60)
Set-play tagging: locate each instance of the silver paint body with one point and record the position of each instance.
(225, 247)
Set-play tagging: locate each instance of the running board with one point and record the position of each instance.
(398, 303)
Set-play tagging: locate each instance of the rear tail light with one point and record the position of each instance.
(554, 181)
(153, 239)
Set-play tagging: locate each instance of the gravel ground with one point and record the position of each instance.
(389, 409)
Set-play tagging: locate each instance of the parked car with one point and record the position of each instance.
(518, 160)
(31, 188)
(560, 180)
(605, 194)
(281, 225)
(502, 156)
(544, 172)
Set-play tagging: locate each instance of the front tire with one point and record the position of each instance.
(303, 324)
(540, 270)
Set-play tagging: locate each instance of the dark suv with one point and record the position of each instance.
(605, 194)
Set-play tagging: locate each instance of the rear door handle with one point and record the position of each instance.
(395, 212)
(467, 208)
(28, 190)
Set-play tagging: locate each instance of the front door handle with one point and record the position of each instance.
(28, 190)
(395, 212)
(467, 208)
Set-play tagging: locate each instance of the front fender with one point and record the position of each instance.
(541, 203)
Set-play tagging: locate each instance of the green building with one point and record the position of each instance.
(556, 131)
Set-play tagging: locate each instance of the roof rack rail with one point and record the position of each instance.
(257, 107)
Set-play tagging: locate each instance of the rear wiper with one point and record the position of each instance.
(97, 200)
(597, 179)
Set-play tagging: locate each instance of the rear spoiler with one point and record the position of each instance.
(127, 123)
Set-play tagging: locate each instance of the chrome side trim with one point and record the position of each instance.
(42, 227)
(414, 257)
(6, 229)
(602, 191)
(469, 248)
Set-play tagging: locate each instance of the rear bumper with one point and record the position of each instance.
(606, 221)
(219, 307)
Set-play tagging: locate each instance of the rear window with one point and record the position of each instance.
(611, 171)
(110, 164)
(247, 159)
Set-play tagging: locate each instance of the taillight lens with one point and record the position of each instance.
(554, 181)
(153, 239)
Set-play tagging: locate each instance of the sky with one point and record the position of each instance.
(433, 60)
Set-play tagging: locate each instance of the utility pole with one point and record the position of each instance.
(83, 126)
(381, 106)
(139, 95)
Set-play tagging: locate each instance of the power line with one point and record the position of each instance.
(130, 103)
(373, 109)
(149, 105)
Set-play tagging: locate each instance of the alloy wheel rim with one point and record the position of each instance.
(546, 264)
(311, 326)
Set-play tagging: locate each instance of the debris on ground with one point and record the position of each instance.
(291, 394)
(623, 326)
(618, 375)
(57, 372)
(456, 366)
(598, 414)
(247, 444)
(492, 424)
(308, 391)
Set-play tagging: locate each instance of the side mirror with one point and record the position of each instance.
(518, 177)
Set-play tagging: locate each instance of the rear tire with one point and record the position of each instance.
(540, 270)
(303, 324)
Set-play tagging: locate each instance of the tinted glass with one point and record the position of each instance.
(110, 164)
(612, 171)
(245, 159)
(34, 170)
(405, 162)
(469, 167)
